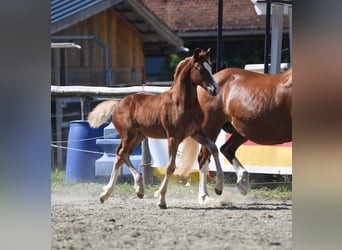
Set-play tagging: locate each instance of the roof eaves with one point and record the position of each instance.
(225, 33)
(67, 13)
(158, 25)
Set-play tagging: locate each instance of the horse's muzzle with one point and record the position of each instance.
(213, 89)
(212, 92)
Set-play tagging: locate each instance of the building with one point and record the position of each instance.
(243, 34)
(115, 36)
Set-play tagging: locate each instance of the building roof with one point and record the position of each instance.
(189, 17)
(157, 36)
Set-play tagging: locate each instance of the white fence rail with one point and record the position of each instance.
(76, 90)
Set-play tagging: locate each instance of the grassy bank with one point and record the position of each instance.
(59, 185)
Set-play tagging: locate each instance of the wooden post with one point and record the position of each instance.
(59, 108)
(85, 106)
(147, 170)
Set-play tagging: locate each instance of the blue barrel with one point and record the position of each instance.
(80, 163)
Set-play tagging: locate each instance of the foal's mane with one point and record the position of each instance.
(180, 66)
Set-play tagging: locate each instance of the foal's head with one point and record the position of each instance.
(201, 71)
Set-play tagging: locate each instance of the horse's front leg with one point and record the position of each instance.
(203, 139)
(228, 150)
(170, 168)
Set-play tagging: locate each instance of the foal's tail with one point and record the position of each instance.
(188, 156)
(101, 113)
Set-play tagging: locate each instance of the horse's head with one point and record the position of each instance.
(201, 71)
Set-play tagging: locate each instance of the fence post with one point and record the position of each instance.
(147, 170)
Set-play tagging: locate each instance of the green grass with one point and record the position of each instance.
(279, 193)
(59, 185)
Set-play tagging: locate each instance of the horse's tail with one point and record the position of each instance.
(101, 113)
(188, 156)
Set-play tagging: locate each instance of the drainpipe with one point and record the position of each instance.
(108, 75)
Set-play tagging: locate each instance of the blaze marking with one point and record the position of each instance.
(207, 67)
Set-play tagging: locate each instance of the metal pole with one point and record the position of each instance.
(267, 35)
(276, 37)
(219, 36)
(290, 33)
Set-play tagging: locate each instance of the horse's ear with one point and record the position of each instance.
(196, 53)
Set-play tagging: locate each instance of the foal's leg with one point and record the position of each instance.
(203, 195)
(203, 139)
(171, 166)
(228, 150)
(109, 188)
(203, 162)
(138, 180)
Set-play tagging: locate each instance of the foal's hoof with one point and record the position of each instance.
(202, 200)
(140, 195)
(162, 206)
(218, 192)
(102, 200)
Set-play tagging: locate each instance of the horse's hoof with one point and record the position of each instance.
(243, 183)
(162, 206)
(202, 200)
(102, 200)
(139, 187)
(242, 190)
(218, 192)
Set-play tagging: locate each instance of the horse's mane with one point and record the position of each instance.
(180, 66)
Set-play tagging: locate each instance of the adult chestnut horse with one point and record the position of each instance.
(250, 106)
(174, 114)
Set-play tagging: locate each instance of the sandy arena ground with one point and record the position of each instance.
(231, 221)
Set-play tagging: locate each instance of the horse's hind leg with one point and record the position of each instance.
(171, 166)
(109, 188)
(228, 150)
(203, 162)
(138, 180)
(203, 195)
(203, 139)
